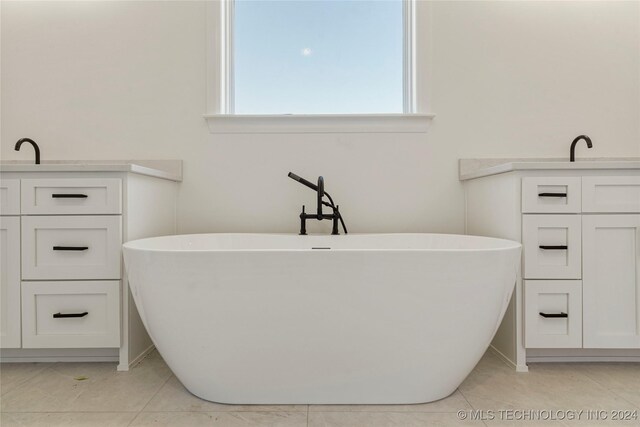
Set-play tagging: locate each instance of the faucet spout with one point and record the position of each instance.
(572, 155)
(320, 196)
(33, 143)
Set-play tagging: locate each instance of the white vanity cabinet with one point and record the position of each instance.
(64, 291)
(579, 224)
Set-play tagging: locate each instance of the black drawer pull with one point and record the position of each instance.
(68, 196)
(63, 316)
(554, 248)
(554, 315)
(552, 194)
(70, 248)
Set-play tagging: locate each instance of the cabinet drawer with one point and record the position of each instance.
(71, 196)
(611, 194)
(9, 196)
(552, 246)
(71, 247)
(70, 314)
(551, 195)
(553, 313)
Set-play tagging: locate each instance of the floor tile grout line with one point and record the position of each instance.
(618, 396)
(259, 412)
(473, 408)
(156, 393)
(69, 412)
(382, 412)
(308, 406)
(586, 374)
(465, 398)
(206, 411)
(135, 417)
(35, 374)
(226, 412)
(24, 383)
(385, 410)
(604, 386)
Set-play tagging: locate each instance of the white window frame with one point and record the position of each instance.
(220, 114)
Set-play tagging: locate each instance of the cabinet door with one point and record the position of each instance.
(611, 281)
(9, 196)
(10, 282)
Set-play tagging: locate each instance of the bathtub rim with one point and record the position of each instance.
(137, 245)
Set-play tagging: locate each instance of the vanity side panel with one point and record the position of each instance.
(150, 206)
(493, 208)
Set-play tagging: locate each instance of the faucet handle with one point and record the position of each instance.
(303, 222)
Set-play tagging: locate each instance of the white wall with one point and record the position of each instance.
(91, 80)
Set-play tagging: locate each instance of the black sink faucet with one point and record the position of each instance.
(35, 147)
(335, 216)
(572, 157)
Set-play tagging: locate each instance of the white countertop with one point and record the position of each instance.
(165, 169)
(476, 168)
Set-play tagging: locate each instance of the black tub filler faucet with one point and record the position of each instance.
(335, 216)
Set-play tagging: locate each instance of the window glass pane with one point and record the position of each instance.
(318, 57)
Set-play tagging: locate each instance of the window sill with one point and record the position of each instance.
(319, 123)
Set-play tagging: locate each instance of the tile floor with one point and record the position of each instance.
(94, 394)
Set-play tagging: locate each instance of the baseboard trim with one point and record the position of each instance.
(583, 355)
(42, 359)
(507, 361)
(138, 359)
(31, 355)
(601, 359)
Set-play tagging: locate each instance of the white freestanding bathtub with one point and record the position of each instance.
(285, 319)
